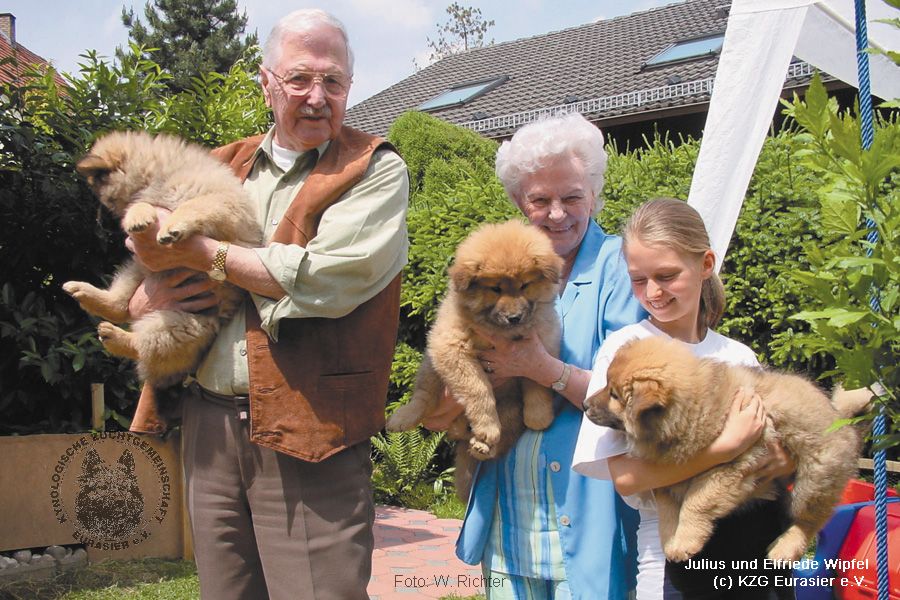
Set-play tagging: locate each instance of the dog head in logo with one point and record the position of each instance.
(109, 504)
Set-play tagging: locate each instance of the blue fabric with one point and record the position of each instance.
(599, 541)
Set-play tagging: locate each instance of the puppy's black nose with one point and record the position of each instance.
(514, 319)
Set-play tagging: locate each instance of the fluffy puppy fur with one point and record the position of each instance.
(504, 280)
(132, 173)
(672, 405)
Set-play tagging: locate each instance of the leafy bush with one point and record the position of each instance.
(52, 230)
(845, 269)
(405, 472)
(440, 155)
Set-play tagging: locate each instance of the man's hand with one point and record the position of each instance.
(181, 289)
(195, 252)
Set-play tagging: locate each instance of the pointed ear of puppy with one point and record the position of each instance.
(462, 275)
(92, 165)
(648, 397)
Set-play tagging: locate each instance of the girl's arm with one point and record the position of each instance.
(742, 428)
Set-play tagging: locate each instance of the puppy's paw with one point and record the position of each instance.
(790, 546)
(76, 289)
(138, 218)
(117, 341)
(170, 233)
(480, 450)
(680, 548)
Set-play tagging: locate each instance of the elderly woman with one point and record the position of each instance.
(544, 530)
(539, 529)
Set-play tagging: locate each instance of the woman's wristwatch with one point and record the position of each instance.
(560, 384)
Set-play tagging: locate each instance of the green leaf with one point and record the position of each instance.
(840, 214)
(847, 318)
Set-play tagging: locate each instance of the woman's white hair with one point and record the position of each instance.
(299, 22)
(540, 143)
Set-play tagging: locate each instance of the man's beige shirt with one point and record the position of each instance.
(360, 246)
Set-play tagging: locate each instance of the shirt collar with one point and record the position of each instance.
(582, 270)
(265, 147)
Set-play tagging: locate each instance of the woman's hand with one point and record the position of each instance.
(745, 424)
(512, 358)
(445, 413)
(181, 289)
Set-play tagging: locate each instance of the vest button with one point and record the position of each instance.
(554, 466)
(565, 521)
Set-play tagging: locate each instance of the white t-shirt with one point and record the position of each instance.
(596, 444)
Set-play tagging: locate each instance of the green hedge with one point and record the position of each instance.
(52, 230)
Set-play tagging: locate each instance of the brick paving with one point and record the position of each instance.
(415, 557)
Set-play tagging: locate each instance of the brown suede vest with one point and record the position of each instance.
(322, 387)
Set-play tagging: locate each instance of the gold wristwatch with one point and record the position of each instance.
(217, 270)
(561, 383)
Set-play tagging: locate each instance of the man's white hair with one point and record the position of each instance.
(543, 142)
(302, 21)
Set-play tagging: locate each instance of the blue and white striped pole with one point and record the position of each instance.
(879, 427)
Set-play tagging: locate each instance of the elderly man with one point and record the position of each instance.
(275, 434)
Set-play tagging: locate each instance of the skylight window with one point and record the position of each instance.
(461, 94)
(688, 50)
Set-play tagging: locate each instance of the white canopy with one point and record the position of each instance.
(760, 39)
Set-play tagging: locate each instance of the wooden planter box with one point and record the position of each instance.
(118, 494)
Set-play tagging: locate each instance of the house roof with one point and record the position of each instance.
(600, 64)
(21, 59)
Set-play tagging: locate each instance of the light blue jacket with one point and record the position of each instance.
(596, 528)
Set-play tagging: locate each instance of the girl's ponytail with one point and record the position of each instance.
(712, 302)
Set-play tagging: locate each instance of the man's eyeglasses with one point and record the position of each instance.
(300, 83)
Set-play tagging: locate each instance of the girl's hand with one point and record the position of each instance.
(745, 424)
(445, 413)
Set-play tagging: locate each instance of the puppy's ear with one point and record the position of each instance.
(462, 274)
(648, 396)
(93, 165)
(549, 266)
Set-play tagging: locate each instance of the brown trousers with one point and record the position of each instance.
(267, 525)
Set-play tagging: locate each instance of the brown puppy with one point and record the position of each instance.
(132, 173)
(672, 405)
(504, 280)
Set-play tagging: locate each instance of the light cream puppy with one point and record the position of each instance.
(133, 173)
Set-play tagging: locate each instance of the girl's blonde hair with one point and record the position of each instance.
(675, 224)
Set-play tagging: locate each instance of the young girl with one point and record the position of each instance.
(672, 271)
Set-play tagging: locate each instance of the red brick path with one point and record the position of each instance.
(414, 557)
